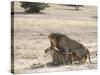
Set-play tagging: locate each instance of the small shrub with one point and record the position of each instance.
(32, 7)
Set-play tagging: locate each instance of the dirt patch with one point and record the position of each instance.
(31, 31)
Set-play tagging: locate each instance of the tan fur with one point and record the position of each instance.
(57, 57)
(64, 44)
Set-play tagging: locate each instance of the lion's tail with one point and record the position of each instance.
(88, 54)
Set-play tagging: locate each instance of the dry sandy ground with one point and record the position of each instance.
(31, 31)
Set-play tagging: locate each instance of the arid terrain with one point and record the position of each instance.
(31, 36)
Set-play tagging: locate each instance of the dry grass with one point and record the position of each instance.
(31, 31)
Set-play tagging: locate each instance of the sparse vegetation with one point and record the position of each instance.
(32, 7)
(31, 31)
